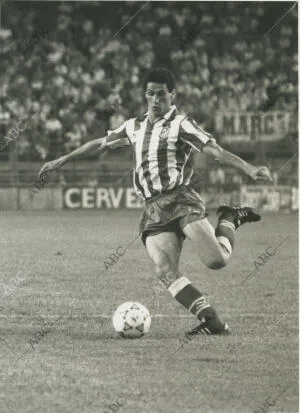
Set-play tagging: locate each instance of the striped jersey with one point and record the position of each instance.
(161, 150)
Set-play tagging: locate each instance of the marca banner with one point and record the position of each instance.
(247, 126)
(100, 198)
(269, 198)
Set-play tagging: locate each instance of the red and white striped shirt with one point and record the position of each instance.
(161, 150)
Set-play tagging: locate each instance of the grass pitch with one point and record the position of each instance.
(59, 353)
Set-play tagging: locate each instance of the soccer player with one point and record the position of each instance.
(162, 141)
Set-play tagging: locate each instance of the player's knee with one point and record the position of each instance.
(217, 264)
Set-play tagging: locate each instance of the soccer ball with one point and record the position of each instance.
(131, 320)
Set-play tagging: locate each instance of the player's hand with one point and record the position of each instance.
(51, 166)
(261, 173)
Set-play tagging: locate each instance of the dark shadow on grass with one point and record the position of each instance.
(213, 360)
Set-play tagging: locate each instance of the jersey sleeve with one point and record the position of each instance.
(192, 134)
(118, 138)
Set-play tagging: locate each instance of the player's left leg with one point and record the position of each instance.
(215, 245)
(213, 251)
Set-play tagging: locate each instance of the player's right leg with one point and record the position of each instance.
(164, 250)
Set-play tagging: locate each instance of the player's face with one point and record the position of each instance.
(159, 99)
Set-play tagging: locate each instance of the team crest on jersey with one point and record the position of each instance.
(164, 133)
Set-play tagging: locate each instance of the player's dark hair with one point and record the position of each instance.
(160, 75)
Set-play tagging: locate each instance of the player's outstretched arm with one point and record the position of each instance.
(257, 173)
(83, 150)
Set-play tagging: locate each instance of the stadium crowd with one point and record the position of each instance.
(78, 68)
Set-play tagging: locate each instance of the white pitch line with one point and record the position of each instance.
(90, 316)
(152, 316)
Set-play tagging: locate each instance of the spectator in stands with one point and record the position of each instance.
(49, 67)
(217, 178)
(93, 180)
(61, 179)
